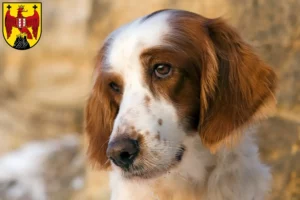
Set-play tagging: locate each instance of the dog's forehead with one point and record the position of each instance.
(128, 42)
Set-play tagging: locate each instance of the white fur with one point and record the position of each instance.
(227, 175)
(236, 175)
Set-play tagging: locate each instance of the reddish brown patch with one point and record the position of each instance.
(101, 110)
(141, 139)
(141, 142)
(217, 83)
(235, 83)
(147, 100)
(160, 121)
(132, 132)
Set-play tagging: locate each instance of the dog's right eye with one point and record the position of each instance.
(162, 70)
(115, 87)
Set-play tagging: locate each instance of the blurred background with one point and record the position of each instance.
(43, 91)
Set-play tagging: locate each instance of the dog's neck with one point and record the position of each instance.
(201, 175)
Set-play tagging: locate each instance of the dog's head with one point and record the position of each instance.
(167, 77)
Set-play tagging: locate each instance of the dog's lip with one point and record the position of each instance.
(138, 171)
(180, 153)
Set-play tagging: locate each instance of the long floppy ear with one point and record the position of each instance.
(244, 85)
(99, 118)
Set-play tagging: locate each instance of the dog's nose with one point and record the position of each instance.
(123, 151)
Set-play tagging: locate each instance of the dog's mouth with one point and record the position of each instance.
(150, 167)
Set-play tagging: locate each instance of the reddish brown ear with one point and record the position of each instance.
(99, 118)
(244, 85)
(100, 113)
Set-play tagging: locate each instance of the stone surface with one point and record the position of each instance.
(274, 29)
(279, 142)
(43, 90)
(49, 170)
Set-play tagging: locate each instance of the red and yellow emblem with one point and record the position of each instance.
(22, 24)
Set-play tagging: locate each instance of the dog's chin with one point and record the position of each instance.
(144, 171)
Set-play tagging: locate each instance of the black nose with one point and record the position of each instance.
(123, 151)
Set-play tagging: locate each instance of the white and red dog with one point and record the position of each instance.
(172, 98)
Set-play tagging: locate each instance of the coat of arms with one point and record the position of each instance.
(22, 24)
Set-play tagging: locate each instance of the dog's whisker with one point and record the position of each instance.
(104, 143)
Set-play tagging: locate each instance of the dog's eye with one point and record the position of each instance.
(114, 87)
(162, 70)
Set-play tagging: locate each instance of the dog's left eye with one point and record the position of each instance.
(162, 70)
(115, 87)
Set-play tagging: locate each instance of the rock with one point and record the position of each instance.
(52, 169)
(279, 141)
(273, 29)
(21, 43)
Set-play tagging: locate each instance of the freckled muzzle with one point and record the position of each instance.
(141, 148)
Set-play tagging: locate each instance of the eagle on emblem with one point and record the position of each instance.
(22, 23)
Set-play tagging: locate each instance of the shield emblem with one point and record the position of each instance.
(22, 24)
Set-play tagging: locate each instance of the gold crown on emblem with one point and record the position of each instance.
(21, 6)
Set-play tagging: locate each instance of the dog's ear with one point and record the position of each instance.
(100, 113)
(243, 86)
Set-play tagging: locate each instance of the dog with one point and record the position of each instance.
(169, 112)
